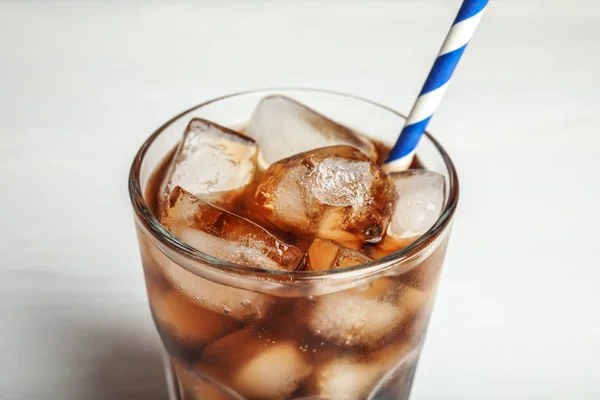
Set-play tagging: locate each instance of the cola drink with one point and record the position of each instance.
(283, 262)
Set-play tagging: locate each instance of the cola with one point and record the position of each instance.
(268, 216)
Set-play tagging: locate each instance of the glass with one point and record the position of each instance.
(231, 332)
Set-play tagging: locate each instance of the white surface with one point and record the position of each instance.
(81, 86)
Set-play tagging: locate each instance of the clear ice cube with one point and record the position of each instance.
(421, 197)
(187, 321)
(283, 127)
(224, 235)
(227, 236)
(354, 377)
(334, 193)
(210, 159)
(256, 364)
(349, 319)
(327, 255)
(365, 316)
(346, 377)
(162, 274)
(233, 302)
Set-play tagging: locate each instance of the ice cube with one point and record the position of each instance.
(327, 255)
(256, 364)
(411, 300)
(346, 378)
(210, 160)
(421, 197)
(227, 236)
(188, 322)
(365, 316)
(348, 319)
(354, 377)
(334, 193)
(283, 127)
(239, 304)
(224, 235)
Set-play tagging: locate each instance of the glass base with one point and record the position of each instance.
(182, 385)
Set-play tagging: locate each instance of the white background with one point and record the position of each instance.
(82, 84)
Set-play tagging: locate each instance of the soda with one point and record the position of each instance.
(279, 209)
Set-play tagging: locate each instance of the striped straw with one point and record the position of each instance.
(435, 86)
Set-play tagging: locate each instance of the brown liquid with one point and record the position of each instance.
(223, 340)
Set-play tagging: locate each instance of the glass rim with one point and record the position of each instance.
(162, 237)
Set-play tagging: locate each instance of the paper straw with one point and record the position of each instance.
(435, 86)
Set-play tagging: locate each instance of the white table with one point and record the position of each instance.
(81, 86)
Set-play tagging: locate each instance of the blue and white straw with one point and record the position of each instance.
(435, 86)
